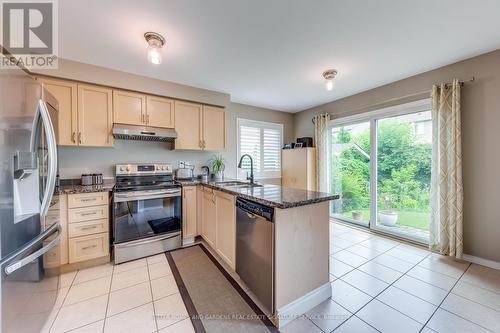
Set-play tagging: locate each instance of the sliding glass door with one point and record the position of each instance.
(350, 173)
(381, 167)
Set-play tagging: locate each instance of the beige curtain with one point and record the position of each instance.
(446, 231)
(321, 122)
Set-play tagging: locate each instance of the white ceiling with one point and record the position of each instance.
(271, 53)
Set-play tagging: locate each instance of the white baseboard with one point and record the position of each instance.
(481, 261)
(301, 305)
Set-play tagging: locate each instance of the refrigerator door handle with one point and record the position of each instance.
(52, 156)
(11, 268)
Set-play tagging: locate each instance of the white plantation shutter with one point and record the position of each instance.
(263, 142)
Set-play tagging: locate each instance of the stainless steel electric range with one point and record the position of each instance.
(147, 211)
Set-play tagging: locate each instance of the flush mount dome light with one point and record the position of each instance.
(155, 43)
(329, 75)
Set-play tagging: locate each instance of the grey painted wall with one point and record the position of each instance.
(75, 161)
(480, 138)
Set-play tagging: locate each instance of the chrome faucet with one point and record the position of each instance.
(250, 178)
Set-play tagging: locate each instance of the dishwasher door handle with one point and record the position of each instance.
(251, 216)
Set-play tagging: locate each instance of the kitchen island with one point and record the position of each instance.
(300, 243)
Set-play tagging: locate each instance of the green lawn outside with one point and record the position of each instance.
(419, 220)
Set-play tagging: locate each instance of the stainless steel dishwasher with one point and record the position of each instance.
(255, 249)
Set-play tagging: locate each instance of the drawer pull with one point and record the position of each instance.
(88, 247)
(88, 228)
(88, 214)
(88, 200)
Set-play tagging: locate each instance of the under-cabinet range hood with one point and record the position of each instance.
(143, 133)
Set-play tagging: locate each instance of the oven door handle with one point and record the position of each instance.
(148, 240)
(127, 197)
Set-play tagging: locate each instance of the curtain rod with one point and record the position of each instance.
(471, 79)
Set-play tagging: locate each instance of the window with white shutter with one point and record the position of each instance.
(262, 141)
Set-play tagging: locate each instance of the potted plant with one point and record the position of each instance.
(387, 216)
(218, 165)
(357, 215)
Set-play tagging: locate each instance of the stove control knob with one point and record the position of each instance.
(163, 167)
(121, 169)
(128, 169)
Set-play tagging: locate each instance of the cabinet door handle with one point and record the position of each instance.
(73, 137)
(142, 118)
(88, 228)
(88, 247)
(80, 137)
(200, 144)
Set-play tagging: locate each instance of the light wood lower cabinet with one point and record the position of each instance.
(57, 214)
(189, 212)
(225, 239)
(88, 226)
(208, 225)
(88, 247)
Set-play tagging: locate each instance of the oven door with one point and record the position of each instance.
(146, 214)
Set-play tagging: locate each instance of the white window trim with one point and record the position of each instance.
(262, 124)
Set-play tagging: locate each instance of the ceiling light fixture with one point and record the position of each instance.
(329, 75)
(155, 43)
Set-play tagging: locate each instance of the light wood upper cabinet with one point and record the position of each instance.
(208, 224)
(129, 108)
(188, 117)
(160, 112)
(299, 168)
(189, 209)
(66, 94)
(226, 227)
(95, 116)
(214, 128)
(199, 127)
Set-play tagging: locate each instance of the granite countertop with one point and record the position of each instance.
(76, 189)
(270, 195)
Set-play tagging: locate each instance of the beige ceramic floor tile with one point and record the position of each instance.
(90, 328)
(425, 291)
(408, 304)
(483, 277)
(477, 294)
(444, 265)
(443, 321)
(378, 243)
(93, 273)
(183, 326)
(366, 283)
(80, 314)
(66, 279)
(170, 310)
(393, 263)
(164, 286)
(474, 312)
(355, 325)
(328, 315)
(158, 270)
(338, 268)
(350, 258)
(300, 325)
(157, 258)
(341, 243)
(129, 278)
(126, 266)
(386, 319)
(139, 319)
(86, 290)
(381, 272)
(364, 252)
(128, 298)
(355, 236)
(349, 297)
(436, 279)
(408, 256)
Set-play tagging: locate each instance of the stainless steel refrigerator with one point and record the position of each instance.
(28, 170)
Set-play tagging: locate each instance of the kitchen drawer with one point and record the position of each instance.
(88, 247)
(78, 229)
(88, 213)
(87, 199)
(52, 217)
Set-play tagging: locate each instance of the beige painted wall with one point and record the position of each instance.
(480, 138)
(75, 161)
